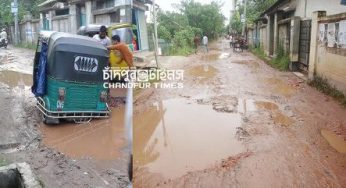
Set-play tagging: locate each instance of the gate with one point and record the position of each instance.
(304, 44)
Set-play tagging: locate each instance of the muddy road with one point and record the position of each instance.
(237, 123)
(94, 154)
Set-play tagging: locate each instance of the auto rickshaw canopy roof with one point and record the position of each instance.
(76, 58)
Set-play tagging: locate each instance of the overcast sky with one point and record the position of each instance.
(167, 5)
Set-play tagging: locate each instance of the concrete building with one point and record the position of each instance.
(294, 25)
(69, 15)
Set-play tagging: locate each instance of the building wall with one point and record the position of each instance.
(331, 66)
(28, 31)
(61, 24)
(103, 19)
(327, 61)
(333, 6)
(284, 38)
(250, 36)
(263, 40)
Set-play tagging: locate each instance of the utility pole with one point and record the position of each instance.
(14, 9)
(156, 44)
(244, 24)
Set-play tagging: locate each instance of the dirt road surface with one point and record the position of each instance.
(237, 123)
(69, 155)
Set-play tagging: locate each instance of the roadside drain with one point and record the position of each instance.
(18, 175)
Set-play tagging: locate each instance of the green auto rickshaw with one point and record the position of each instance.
(68, 78)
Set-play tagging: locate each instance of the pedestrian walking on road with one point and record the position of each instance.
(205, 43)
(196, 41)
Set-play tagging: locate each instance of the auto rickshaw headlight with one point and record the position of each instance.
(103, 96)
(62, 93)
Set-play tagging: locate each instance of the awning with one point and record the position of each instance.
(288, 7)
(47, 3)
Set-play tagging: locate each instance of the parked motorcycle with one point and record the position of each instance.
(3, 43)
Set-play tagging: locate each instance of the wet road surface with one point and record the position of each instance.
(100, 139)
(238, 123)
(95, 154)
(162, 147)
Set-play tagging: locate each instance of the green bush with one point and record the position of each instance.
(3, 162)
(182, 42)
(281, 61)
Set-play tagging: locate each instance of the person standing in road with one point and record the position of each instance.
(205, 43)
(102, 37)
(196, 41)
(123, 49)
(231, 41)
(3, 34)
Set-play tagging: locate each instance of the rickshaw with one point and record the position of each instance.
(124, 30)
(68, 78)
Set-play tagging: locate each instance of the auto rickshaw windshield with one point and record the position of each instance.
(125, 34)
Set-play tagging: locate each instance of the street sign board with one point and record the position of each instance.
(242, 18)
(14, 8)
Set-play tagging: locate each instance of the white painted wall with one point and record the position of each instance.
(331, 6)
(103, 19)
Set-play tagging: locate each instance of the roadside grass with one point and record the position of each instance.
(180, 51)
(322, 85)
(280, 61)
(27, 45)
(259, 52)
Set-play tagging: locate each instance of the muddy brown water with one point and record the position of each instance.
(203, 72)
(267, 105)
(279, 118)
(176, 136)
(100, 139)
(280, 87)
(335, 141)
(13, 79)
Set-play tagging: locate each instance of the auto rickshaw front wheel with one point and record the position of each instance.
(49, 120)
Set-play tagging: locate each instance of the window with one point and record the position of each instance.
(115, 17)
(104, 4)
(61, 12)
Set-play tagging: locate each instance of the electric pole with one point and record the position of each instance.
(244, 21)
(156, 44)
(14, 10)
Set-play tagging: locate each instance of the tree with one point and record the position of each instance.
(172, 21)
(253, 10)
(6, 17)
(163, 32)
(192, 19)
(206, 17)
(235, 22)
